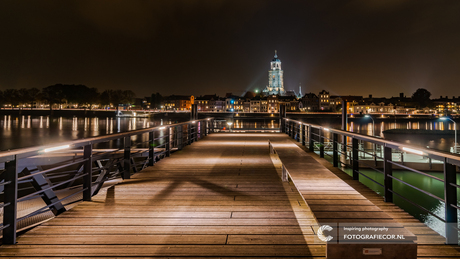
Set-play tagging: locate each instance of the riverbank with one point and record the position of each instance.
(419, 132)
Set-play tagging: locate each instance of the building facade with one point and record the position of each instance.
(275, 78)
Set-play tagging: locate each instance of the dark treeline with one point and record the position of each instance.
(79, 96)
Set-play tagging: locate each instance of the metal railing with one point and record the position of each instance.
(344, 155)
(80, 171)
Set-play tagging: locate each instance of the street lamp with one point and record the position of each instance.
(455, 132)
(373, 124)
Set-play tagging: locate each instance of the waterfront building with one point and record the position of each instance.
(310, 102)
(275, 78)
(178, 102)
(272, 104)
(324, 100)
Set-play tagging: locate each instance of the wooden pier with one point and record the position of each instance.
(219, 197)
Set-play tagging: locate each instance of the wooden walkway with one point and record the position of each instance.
(219, 197)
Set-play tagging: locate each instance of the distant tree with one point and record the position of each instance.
(117, 97)
(12, 96)
(421, 97)
(156, 100)
(54, 94)
(2, 100)
(34, 94)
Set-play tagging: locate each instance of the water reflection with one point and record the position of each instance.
(25, 131)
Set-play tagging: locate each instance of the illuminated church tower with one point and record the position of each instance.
(275, 78)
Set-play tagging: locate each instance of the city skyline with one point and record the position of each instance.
(216, 47)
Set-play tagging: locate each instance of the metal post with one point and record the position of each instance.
(189, 133)
(311, 146)
(282, 117)
(151, 149)
(388, 172)
(450, 196)
(344, 125)
(303, 134)
(127, 159)
(355, 151)
(168, 141)
(10, 194)
(321, 143)
(88, 167)
(335, 154)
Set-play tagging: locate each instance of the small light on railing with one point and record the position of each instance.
(287, 119)
(162, 128)
(326, 129)
(209, 119)
(56, 148)
(193, 121)
(300, 123)
(414, 151)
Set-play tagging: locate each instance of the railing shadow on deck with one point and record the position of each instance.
(38, 183)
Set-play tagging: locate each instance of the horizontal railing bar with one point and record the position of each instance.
(455, 206)
(53, 169)
(5, 183)
(369, 178)
(436, 154)
(3, 205)
(31, 151)
(371, 166)
(455, 185)
(418, 206)
(416, 171)
(51, 187)
(3, 227)
(416, 188)
(43, 209)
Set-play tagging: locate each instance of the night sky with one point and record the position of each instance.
(357, 47)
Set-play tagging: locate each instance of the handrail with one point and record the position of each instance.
(434, 154)
(303, 132)
(37, 150)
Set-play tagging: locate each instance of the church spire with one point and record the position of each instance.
(276, 55)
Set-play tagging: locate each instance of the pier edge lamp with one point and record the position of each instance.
(51, 149)
(229, 123)
(455, 131)
(373, 124)
(413, 151)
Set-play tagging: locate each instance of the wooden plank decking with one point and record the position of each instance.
(219, 197)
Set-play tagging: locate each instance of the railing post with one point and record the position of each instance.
(88, 167)
(303, 134)
(388, 172)
(127, 159)
(335, 153)
(321, 143)
(189, 134)
(355, 152)
(10, 194)
(180, 138)
(168, 141)
(450, 197)
(310, 140)
(196, 131)
(151, 149)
